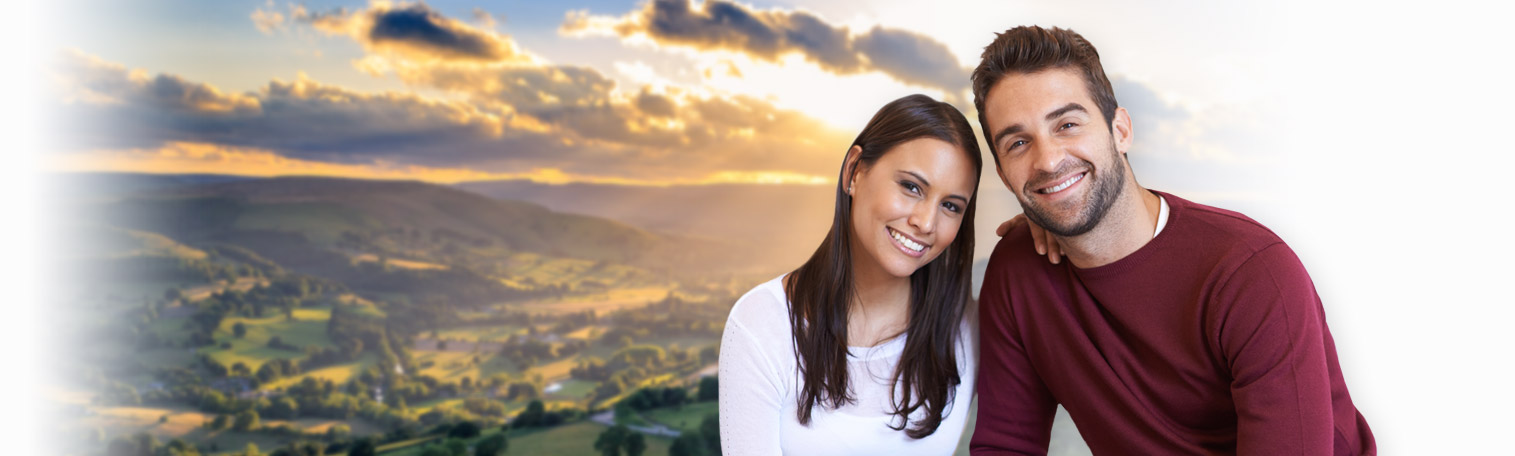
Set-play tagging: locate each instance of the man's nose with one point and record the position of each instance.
(1047, 156)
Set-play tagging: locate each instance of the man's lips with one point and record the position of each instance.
(1063, 184)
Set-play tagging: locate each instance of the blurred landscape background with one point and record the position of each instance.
(461, 227)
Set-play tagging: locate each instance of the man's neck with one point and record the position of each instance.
(1127, 226)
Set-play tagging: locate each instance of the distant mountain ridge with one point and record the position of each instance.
(787, 221)
(210, 208)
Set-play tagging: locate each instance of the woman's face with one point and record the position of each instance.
(907, 207)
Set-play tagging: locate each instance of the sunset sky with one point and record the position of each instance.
(645, 93)
(1372, 136)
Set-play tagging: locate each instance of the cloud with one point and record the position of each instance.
(513, 121)
(416, 32)
(105, 83)
(770, 35)
(586, 108)
(267, 21)
(483, 18)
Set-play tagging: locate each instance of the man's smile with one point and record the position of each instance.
(1064, 184)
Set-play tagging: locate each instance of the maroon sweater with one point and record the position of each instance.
(1210, 339)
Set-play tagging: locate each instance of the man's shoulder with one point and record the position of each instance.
(1015, 262)
(1015, 248)
(1224, 230)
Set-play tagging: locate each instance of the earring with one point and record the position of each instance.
(850, 189)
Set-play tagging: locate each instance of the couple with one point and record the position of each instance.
(1172, 328)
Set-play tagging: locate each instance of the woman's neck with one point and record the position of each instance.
(881, 308)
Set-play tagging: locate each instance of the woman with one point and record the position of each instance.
(869, 347)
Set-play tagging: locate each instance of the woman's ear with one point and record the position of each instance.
(849, 168)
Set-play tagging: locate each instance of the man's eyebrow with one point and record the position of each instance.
(1017, 128)
(1065, 109)
(1007, 131)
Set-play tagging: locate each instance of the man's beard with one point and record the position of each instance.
(1107, 187)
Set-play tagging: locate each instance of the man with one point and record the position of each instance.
(1173, 328)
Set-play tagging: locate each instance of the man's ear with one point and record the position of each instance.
(1120, 129)
(849, 168)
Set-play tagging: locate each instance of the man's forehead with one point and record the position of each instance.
(1035, 94)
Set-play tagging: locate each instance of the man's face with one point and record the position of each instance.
(1056, 153)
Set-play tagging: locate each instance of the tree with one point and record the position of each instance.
(363, 447)
(251, 450)
(492, 445)
(464, 430)
(435, 450)
(247, 420)
(532, 416)
(688, 444)
(709, 389)
(303, 448)
(609, 442)
(710, 431)
(623, 410)
(634, 444)
(456, 447)
(178, 447)
(239, 330)
(284, 408)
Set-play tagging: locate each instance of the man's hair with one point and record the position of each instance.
(1030, 49)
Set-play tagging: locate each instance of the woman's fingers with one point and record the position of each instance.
(1039, 237)
(1004, 228)
(1044, 243)
(1054, 250)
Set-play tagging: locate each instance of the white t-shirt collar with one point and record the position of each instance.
(1162, 215)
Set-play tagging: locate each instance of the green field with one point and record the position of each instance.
(481, 333)
(573, 390)
(571, 440)
(685, 418)
(339, 373)
(308, 328)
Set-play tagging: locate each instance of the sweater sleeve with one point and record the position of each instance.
(1271, 337)
(749, 396)
(1015, 409)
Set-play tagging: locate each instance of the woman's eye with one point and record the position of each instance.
(952, 207)
(910, 186)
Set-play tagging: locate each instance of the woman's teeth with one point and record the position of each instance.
(912, 245)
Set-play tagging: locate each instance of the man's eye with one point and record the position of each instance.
(1016, 144)
(1069, 125)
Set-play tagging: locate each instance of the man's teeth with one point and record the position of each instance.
(1065, 184)
(906, 241)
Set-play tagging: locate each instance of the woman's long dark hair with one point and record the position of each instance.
(822, 289)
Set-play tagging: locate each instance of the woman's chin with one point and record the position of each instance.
(903, 269)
